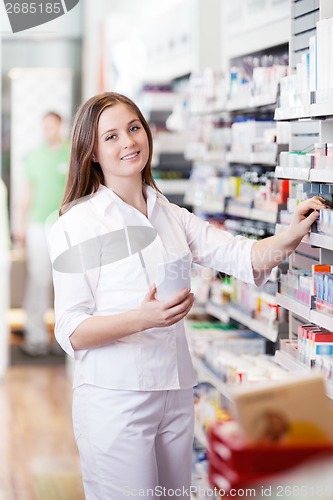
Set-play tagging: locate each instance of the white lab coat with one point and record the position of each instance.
(155, 359)
(133, 406)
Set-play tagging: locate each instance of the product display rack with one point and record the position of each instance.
(311, 111)
(294, 366)
(323, 241)
(234, 208)
(204, 374)
(323, 113)
(230, 207)
(225, 313)
(299, 116)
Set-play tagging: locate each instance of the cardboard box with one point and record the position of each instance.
(295, 411)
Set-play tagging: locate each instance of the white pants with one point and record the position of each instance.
(132, 442)
(38, 289)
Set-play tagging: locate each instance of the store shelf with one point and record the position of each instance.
(293, 306)
(252, 103)
(323, 109)
(170, 186)
(252, 158)
(226, 313)
(314, 239)
(319, 240)
(204, 205)
(321, 319)
(238, 210)
(238, 105)
(262, 215)
(289, 363)
(269, 331)
(296, 173)
(211, 157)
(219, 312)
(204, 374)
(209, 110)
(321, 175)
(304, 174)
(212, 207)
(305, 312)
(292, 113)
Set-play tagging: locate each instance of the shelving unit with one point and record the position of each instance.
(310, 315)
(170, 186)
(232, 206)
(289, 363)
(294, 366)
(204, 374)
(252, 103)
(324, 241)
(270, 331)
(303, 118)
(319, 110)
(251, 213)
(252, 158)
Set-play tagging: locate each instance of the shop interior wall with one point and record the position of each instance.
(55, 45)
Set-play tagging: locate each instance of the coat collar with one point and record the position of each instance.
(105, 197)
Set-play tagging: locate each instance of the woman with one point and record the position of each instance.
(121, 258)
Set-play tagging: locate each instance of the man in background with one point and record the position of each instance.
(45, 170)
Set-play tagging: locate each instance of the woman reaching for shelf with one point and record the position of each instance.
(121, 256)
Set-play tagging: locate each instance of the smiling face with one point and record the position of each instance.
(122, 147)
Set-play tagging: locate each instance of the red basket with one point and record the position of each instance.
(239, 463)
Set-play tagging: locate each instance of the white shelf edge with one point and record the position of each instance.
(315, 239)
(264, 329)
(262, 215)
(206, 375)
(253, 102)
(283, 359)
(207, 158)
(321, 175)
(304, 174)
(305, 111)
(321, 319)
(252, 158)
(251, 213)
(321, 109)
(319, 240)
(170, 186)
(238, 210)
(212, 207)
(225, 313)
(293, 306)
(219, 312)
(296, 173)
(214, 110)
(305, 312)
(289, 363)
(292, 113)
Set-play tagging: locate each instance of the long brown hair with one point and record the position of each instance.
(85, 175)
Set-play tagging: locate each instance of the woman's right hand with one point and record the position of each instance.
(160, 313)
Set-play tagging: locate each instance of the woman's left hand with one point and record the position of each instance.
(305, 214)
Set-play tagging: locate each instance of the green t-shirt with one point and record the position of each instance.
(46, 169)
